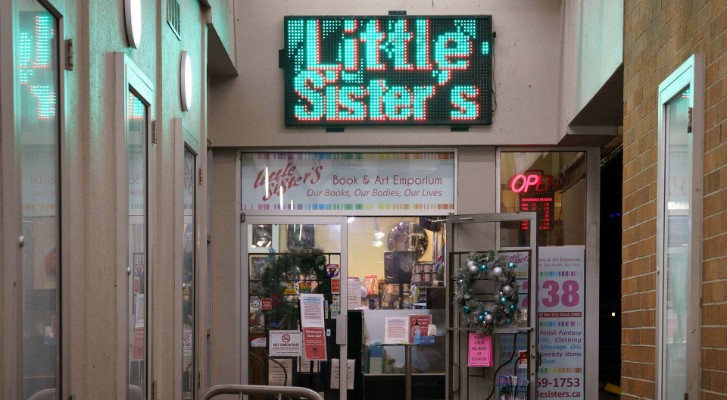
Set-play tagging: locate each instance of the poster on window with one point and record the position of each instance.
(561, 321)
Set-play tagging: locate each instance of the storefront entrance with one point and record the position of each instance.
(387, 305)
(359, 260)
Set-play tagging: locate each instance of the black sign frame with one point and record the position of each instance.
(290, 59)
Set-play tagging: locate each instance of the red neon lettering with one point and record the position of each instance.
(540, 183)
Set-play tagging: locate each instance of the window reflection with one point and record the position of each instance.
(188, 278)
(137, 175)
(38, 128)
(553, 184)
(676, 243)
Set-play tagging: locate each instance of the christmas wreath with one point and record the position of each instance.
(480, 314)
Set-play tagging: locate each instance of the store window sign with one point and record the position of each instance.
(534, 181)
(373, 70)
(351, 181)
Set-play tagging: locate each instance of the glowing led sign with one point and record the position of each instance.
(36, 52)
(534, 181)
(389, 70)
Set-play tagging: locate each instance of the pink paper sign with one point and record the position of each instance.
(480, 350)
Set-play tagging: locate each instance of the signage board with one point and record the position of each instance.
(561, 321)
(387, 70)
(285, 343)
(349, 182)
(479, 350)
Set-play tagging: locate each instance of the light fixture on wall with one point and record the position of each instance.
(378, 234)
(185, 81)
(132, 20)
(261, 237)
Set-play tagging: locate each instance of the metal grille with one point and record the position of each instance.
(173, 17)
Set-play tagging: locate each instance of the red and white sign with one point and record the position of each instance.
(335, 286)
(314, 343)
(311, 319)
(285, 343)
(422, 321)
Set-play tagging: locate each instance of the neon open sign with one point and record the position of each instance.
(393, 70)
(534, 181)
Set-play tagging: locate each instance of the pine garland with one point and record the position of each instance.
(285, 268)
(484, 316)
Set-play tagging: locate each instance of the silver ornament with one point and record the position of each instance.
(506, 289)
(497, 271)
(473, 268)
(470, 263)
(488, 318)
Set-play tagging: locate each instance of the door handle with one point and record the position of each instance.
(341, 333)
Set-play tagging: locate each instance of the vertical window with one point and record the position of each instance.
(189, 305)
(553, 184)
(136, 157)
(678, 261)
(37, 84)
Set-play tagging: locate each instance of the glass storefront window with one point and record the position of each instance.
(37, 84)
(283, 262)
(136, 155)
(189, 304)
(398, 264)
(553, 184)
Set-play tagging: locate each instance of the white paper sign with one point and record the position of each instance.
(311, 311)
(139, 323)
(285, 343)
(396, 330)
(336, 373)
(354, 293)
(304, 366)
(278, 376)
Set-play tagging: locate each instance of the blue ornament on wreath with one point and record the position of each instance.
(481, 318)
(466, 309)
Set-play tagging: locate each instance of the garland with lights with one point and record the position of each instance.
(485, 315)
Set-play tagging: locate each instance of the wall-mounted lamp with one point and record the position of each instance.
(185, 81)
(132, 20)
(378, 234)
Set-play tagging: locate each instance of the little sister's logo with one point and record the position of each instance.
(285, 178)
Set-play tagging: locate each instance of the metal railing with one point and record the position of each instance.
(292, 391)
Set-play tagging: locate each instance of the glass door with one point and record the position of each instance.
(491, 315)
(288, 262)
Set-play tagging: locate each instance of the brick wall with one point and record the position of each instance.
(658, 37)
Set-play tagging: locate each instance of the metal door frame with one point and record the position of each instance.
(452, 316)
(244, 287)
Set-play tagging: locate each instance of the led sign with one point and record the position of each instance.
(392, 70)
(534, 181)
(36, 73)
